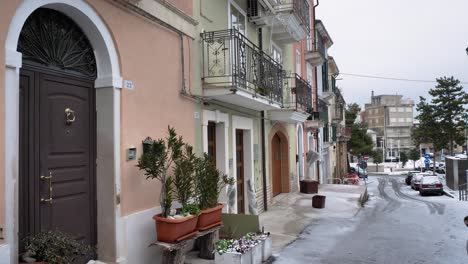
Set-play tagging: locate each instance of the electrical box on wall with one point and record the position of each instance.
(131, 153)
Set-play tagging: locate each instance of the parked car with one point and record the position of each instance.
(409, 176)
(416, 180)
(431, 184)
(362, 173)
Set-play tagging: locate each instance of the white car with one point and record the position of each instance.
(430, 184)
(416, 180)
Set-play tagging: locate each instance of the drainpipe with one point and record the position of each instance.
(262, 131)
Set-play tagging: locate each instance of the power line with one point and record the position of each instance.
(391, 78)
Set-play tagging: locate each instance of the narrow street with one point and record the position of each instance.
(396, 225)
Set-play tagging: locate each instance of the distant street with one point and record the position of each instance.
(396, 226)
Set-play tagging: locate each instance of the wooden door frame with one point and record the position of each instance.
(111, 229)
(35, 160)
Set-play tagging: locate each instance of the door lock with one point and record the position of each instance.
(49, 178)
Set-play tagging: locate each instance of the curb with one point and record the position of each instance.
(449, 194)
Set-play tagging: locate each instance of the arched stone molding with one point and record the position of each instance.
(111, 243)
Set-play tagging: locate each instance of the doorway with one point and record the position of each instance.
(57, 128)
(276, 164)
(240, 171)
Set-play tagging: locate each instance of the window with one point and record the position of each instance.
(393, 120)
(309, 73)
(409, 119)
(325, 76)
(298, 62)
(401, 120)
(276, 53)
(408, 109)
(237, 19)
(401, 109)
(392, 109)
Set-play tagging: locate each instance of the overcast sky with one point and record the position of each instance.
(411, 39)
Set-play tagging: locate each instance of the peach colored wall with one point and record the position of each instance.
(184, 5)
(150, 56)
(7, 9)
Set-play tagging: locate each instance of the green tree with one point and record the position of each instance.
(441, 120)
(403, 158)
(377, 157)
(360, 143)
(413, 155)
(351, 112)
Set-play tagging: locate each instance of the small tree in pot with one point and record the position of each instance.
(162, 159)
(209, 182)
(184, 172)
(157, 163)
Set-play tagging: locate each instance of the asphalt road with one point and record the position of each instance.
(396, 226)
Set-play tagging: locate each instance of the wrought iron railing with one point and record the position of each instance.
(301, 95)
(230, 59)
(316, 44)
(300, 8)
(463, 192)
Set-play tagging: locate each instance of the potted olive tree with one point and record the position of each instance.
(184, 172)
(209, 182)
(159, 162)
(54, 247)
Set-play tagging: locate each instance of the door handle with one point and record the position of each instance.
(44, 178)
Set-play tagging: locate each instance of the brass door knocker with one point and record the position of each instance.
(69, 116)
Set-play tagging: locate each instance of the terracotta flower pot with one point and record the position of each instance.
(175, 230)
(210, 217)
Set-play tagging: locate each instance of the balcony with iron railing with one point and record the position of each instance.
(297, 102)
(315, 51)
(237, 72)
(288, 19)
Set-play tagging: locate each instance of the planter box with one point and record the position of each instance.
(175, 230)
(308, 186)
(234, 258)
(210, 218)
(257, 254)
(318, 201)
(266, 248)
(253, 256)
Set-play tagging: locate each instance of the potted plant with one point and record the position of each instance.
(54, 247)
(184, 172)
(159, 161)
(209, 182)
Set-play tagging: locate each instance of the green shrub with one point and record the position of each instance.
(56, 247)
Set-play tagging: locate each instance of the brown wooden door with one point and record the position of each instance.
(212, 141)
(51, 146)
(276, 164)
(240, 171)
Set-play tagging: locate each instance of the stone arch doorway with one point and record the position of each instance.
(109, 235)
(57, 140)
(279, 149)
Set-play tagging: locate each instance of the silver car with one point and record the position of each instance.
(430, 184)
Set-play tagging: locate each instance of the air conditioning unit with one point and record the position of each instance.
(260, 11)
